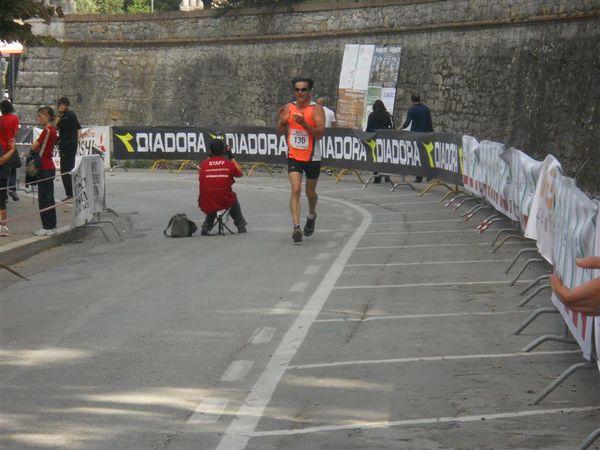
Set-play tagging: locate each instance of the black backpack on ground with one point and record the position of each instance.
(180, 226)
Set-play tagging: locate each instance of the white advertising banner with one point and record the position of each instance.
(540, 223)
(524, 174)
(494, 175)
(88, 189)
(573, 234)
(95, 140)
(470, 164)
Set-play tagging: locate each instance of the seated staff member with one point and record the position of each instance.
(304, 123)
(216, 175)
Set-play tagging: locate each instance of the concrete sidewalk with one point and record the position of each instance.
(24, 219)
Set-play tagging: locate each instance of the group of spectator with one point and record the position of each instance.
(62, 129)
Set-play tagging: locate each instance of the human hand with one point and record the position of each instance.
(585, 298)
(299, 119)
(284, 115)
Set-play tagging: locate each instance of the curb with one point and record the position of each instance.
(16, 252)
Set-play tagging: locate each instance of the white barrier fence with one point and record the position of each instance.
(551, 210)
(88, 189)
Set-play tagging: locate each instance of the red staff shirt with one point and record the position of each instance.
(216, 178)
(47, 163)
(9, 125)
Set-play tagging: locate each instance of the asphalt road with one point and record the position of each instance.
(389, 328)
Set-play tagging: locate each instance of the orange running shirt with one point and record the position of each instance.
(302, 146)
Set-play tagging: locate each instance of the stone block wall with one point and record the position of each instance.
(515, 71)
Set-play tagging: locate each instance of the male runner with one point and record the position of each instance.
(304, 123)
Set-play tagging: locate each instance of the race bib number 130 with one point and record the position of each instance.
(299, 139)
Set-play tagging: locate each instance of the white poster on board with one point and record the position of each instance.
(349, 66)
(363, 67)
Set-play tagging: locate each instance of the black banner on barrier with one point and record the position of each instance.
(436, 155)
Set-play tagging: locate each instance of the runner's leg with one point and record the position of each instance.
(296, 190)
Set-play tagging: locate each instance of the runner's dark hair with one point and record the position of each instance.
(310, 82)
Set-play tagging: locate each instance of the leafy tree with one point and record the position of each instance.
(12, 15)
(110, 6)
(139, 6)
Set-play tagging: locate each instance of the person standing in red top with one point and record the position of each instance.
(304, 123)
(44, 146)
(216, 176)
(9, 124)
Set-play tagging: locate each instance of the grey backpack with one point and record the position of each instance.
(180, 226)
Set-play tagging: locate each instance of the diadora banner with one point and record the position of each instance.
(436, 155)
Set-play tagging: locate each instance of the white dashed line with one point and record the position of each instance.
(299, 286)
(262, 335)
(412, 285)
(321, 256)
(237, 370)
(312, 270)
(331, 244)
(282, 308)
(208, 411)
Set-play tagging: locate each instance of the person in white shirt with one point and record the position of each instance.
(329, 114)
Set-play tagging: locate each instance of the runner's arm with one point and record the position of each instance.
(282, 119)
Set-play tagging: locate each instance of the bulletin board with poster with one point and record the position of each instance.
(369, 73)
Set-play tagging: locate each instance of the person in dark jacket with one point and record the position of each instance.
(68, 132)
(379, 119)
(419, 119)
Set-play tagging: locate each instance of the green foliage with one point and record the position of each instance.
(110, 6)
(139, 6)
(166, 5)
(12, 15)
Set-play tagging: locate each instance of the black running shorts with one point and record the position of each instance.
(312, 169)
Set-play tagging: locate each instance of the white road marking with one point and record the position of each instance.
(380, 247)
(383, 247)
(411, 285)
(262, 335)
(426, 263)
(299, 286)
(331, 244)
(339, 234)
(416, 221)
(426, 421)
(282, 308)
(243, 425)
(208, 411)
(431, 358)
(405, 194)
(237, 370)
(322, 256)
(382, 233)
(312, 270)
(423, 316)
(416, 202)
(385, 213)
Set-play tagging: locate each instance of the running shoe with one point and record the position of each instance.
(45, 232)
(297, 234)
(4, 231)
(13, 195)
(241, 229)
(309, 227)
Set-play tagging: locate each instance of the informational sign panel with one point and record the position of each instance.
(368, 73)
